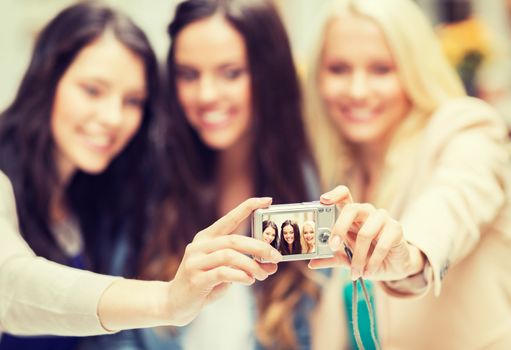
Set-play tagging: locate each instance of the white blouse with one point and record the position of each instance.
(38, 296)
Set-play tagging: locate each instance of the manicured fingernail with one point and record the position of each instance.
(265, 200)
(326, 196)
(335, 243)
(275, 256)
(262, 276)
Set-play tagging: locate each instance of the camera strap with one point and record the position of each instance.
(354, 302)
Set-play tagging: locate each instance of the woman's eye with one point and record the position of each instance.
(381, 69)
(186, 74)
(232, 74)
(134, 102)
(338, 68)
(91, 90)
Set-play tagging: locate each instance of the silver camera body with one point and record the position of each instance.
(304, 215)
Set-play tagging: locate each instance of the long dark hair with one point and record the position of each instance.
(100, 202)
(275, 99)
(269, 223)
(283, 245)
(191, 166)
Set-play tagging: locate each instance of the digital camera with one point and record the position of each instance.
(299, 231)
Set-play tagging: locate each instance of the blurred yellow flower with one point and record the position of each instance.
(461, 38)
(467, 45)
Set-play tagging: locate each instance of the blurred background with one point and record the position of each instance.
(475, 34)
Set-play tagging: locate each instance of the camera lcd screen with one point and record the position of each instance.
(291, 233)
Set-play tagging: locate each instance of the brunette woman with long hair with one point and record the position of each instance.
(72, 157)
(75, 145)
(270, 233)
(290, 238)
(235, 130)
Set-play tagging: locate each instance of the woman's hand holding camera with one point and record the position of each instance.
(380, 251)
(217, 258)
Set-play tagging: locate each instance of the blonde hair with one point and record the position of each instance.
(306, 248)
(423, 69)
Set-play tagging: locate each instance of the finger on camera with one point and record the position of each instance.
(242, 244)
(367, 234)
(229, 222)
(340, 194)
(340, 259)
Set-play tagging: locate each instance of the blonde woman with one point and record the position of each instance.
(308, 237)
(390, 118)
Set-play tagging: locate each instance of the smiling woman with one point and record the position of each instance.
(78, 125)
(235, 130)
(290, 238)
(98, 108)
(213, 81)
(270, 233)
(75, 144)
(308, 237)
(391, 120)
(361, 88)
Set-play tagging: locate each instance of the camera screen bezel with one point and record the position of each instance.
(279, 219)
(292, 210)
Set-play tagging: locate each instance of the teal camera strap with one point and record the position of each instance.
(366, 317)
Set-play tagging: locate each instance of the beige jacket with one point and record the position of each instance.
(456, 207)
(38, 296)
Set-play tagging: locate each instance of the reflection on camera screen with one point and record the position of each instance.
(290, 233)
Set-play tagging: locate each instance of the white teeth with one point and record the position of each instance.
(360, 114)
(214, 117)
(100, 141)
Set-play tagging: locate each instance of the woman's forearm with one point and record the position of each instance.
(129, 304)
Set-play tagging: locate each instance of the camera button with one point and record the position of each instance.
(324, 235)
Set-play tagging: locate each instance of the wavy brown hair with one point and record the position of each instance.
(188, 201)
(102, 203)
(269, 223)
(296, 247)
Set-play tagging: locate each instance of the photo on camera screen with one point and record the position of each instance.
(291, 233)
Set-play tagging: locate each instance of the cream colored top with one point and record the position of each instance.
(38, 296)
(455, 205)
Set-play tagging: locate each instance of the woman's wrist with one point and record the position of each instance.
(417, 261)
(129, 304)
(415, 283)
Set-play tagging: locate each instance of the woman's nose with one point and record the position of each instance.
(359, 85)
(208, 90)
(111, 112)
